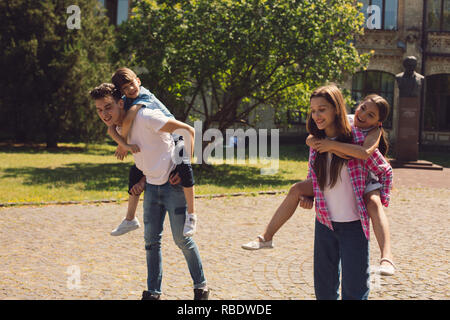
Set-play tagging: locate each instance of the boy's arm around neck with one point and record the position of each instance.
(128, 120)
(182, 129)
(116, 136)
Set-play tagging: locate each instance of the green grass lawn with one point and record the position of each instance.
(75, 173)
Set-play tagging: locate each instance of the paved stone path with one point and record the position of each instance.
(42, 248)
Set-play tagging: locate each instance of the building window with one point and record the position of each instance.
(377, 82)
(116, 10)
(438, 15)
(383, 15)
(437, 103)
(122, 11)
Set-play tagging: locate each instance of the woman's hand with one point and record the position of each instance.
(306, 202)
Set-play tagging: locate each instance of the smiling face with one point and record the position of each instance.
(323, 113)
(131, 89)
(367, 115)
(109, 110)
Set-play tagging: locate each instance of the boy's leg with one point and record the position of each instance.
(134, 177)
(189, 194)
(176, 206)
(190, 224)
(354, 249)
(130, 222)
(380, 224)
(187, 181)
(133, 202)
(287, 208)
(154, 214)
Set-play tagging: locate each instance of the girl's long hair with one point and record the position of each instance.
(334, 96)
(383, 110)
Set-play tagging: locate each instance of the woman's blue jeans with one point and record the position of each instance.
(345, 249)
(157, 201)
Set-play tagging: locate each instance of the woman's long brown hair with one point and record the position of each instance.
(383, 111)
(334, 96)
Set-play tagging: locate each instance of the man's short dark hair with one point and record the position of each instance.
(104, 90)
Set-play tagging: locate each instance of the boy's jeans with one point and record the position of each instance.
(158, 200)
(347, 249)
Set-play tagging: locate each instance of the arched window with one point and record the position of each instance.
(378, 82)
(437, 103)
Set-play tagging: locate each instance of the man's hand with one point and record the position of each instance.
(133, 148)
(121, 152)
(174, 178)
(306, 202)
(138, 188)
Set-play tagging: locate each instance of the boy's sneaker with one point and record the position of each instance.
(126, 226)
(258, 244)
(190, 225)
(147, 295)
(201, 294)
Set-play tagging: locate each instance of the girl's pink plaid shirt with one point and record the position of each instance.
(358, 170)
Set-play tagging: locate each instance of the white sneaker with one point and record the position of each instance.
(257, 244)
(190, 225)
(126, 226)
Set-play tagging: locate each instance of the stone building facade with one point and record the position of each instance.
(394, 30)
(419, 28)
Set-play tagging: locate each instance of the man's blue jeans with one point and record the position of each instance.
(347, 249)
(158, 200)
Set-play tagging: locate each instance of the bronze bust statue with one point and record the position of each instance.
(409, 82)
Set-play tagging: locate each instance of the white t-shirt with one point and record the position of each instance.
(157, 148)
(341, 199)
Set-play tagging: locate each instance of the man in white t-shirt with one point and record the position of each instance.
(151, 131)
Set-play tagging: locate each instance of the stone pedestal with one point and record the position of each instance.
(407, 144)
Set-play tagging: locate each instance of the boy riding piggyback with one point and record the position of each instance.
(136, 97)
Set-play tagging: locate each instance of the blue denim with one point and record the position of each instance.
(149, 100)
(344, 250)
(157, 201)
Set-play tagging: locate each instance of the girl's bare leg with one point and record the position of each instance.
(287, 207)
(380, 224)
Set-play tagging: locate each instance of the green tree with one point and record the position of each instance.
(48, 69)
(219, 60)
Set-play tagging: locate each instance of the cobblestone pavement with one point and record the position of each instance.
(43, 248)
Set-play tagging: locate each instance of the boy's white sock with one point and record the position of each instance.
(190, 225)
